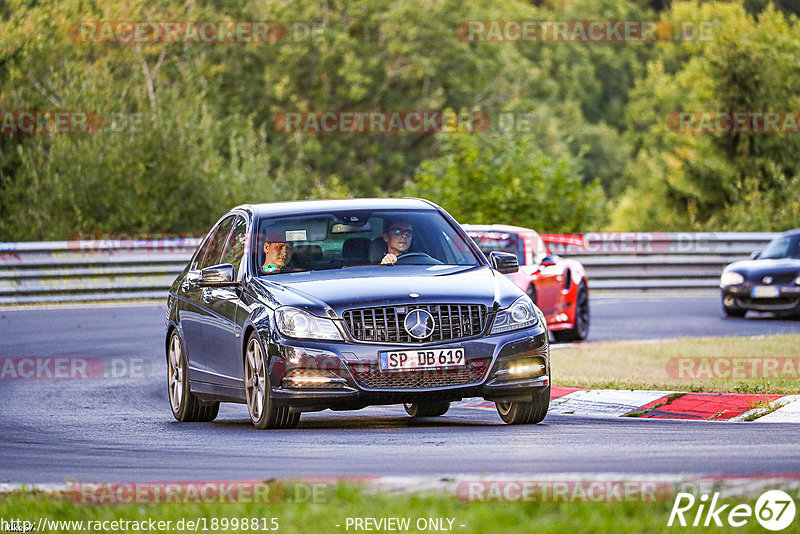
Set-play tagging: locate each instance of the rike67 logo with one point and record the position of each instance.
(774, 510)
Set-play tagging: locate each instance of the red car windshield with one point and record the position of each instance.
(494, 241)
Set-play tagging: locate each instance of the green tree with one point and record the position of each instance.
(716, 180)
(506, 178)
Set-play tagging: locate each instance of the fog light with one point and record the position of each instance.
(525, 369)
(308, 379)
(522, 368)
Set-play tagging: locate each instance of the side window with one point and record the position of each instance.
(212, 248)
(539, 251)
(234, 247)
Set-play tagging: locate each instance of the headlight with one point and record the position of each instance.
(797, 280)
(521, 314)
(297, 323)
(731, 279)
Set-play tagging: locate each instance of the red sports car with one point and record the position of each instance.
(557, 285)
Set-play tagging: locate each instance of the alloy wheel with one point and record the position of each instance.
(255, 379)
(175, 373)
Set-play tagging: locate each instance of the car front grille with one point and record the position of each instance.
(773, 304)
(371, 377)
(385, 324)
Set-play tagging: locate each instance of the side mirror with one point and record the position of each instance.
(755, 254)
(217, 276)
(547, 261)
(504, 262)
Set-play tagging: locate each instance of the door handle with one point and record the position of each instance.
(206, 295)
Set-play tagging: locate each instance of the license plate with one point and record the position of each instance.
(409, 360)
(764, 292)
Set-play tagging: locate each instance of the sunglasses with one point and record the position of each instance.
(398, 231)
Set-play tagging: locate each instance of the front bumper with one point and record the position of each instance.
(312, 375)
(741, 296)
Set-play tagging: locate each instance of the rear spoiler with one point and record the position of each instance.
(564, 239)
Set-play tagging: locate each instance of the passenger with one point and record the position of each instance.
(398, 240)
(277, 254)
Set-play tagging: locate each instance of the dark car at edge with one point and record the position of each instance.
(340, 327)
(768, 282)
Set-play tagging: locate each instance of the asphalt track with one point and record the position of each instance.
(120, 428)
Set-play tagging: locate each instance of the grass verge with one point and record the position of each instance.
(764, 364)
(350, 502)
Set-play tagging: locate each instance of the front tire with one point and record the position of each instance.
(580, 328)
(264, 413)
(732, 311)
(427, 409)
(186, 407)
(525, 413)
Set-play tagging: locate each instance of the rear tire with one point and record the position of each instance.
(427, 409)
(580, 328)
(186, 407)
(264, 413)
(525, 413)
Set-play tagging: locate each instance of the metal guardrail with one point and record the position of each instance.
(73, 271)
(658, 260)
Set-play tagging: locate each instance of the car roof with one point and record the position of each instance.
(796, 231)
(498, 228)
(324, 206)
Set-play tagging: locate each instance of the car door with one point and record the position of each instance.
(194, 314)
(222, 334)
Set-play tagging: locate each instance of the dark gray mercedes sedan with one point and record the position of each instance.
(341, 304)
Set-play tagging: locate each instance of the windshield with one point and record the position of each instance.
(782, 247)
(494, 241)
(323, 241)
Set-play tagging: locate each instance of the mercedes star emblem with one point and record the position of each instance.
(419, 324)
(767, 280)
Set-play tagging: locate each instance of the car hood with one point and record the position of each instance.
(361, 287)
(782, 270)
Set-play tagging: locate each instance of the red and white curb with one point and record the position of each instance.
(645, 404)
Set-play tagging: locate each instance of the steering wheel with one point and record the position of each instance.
(421, 259)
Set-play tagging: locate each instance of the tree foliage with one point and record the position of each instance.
(727, 179)
(484, 179)
(189, 129)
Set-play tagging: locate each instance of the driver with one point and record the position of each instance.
(277, 253)
(398, 240)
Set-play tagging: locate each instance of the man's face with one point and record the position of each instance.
(398, 237)
(276, 254)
